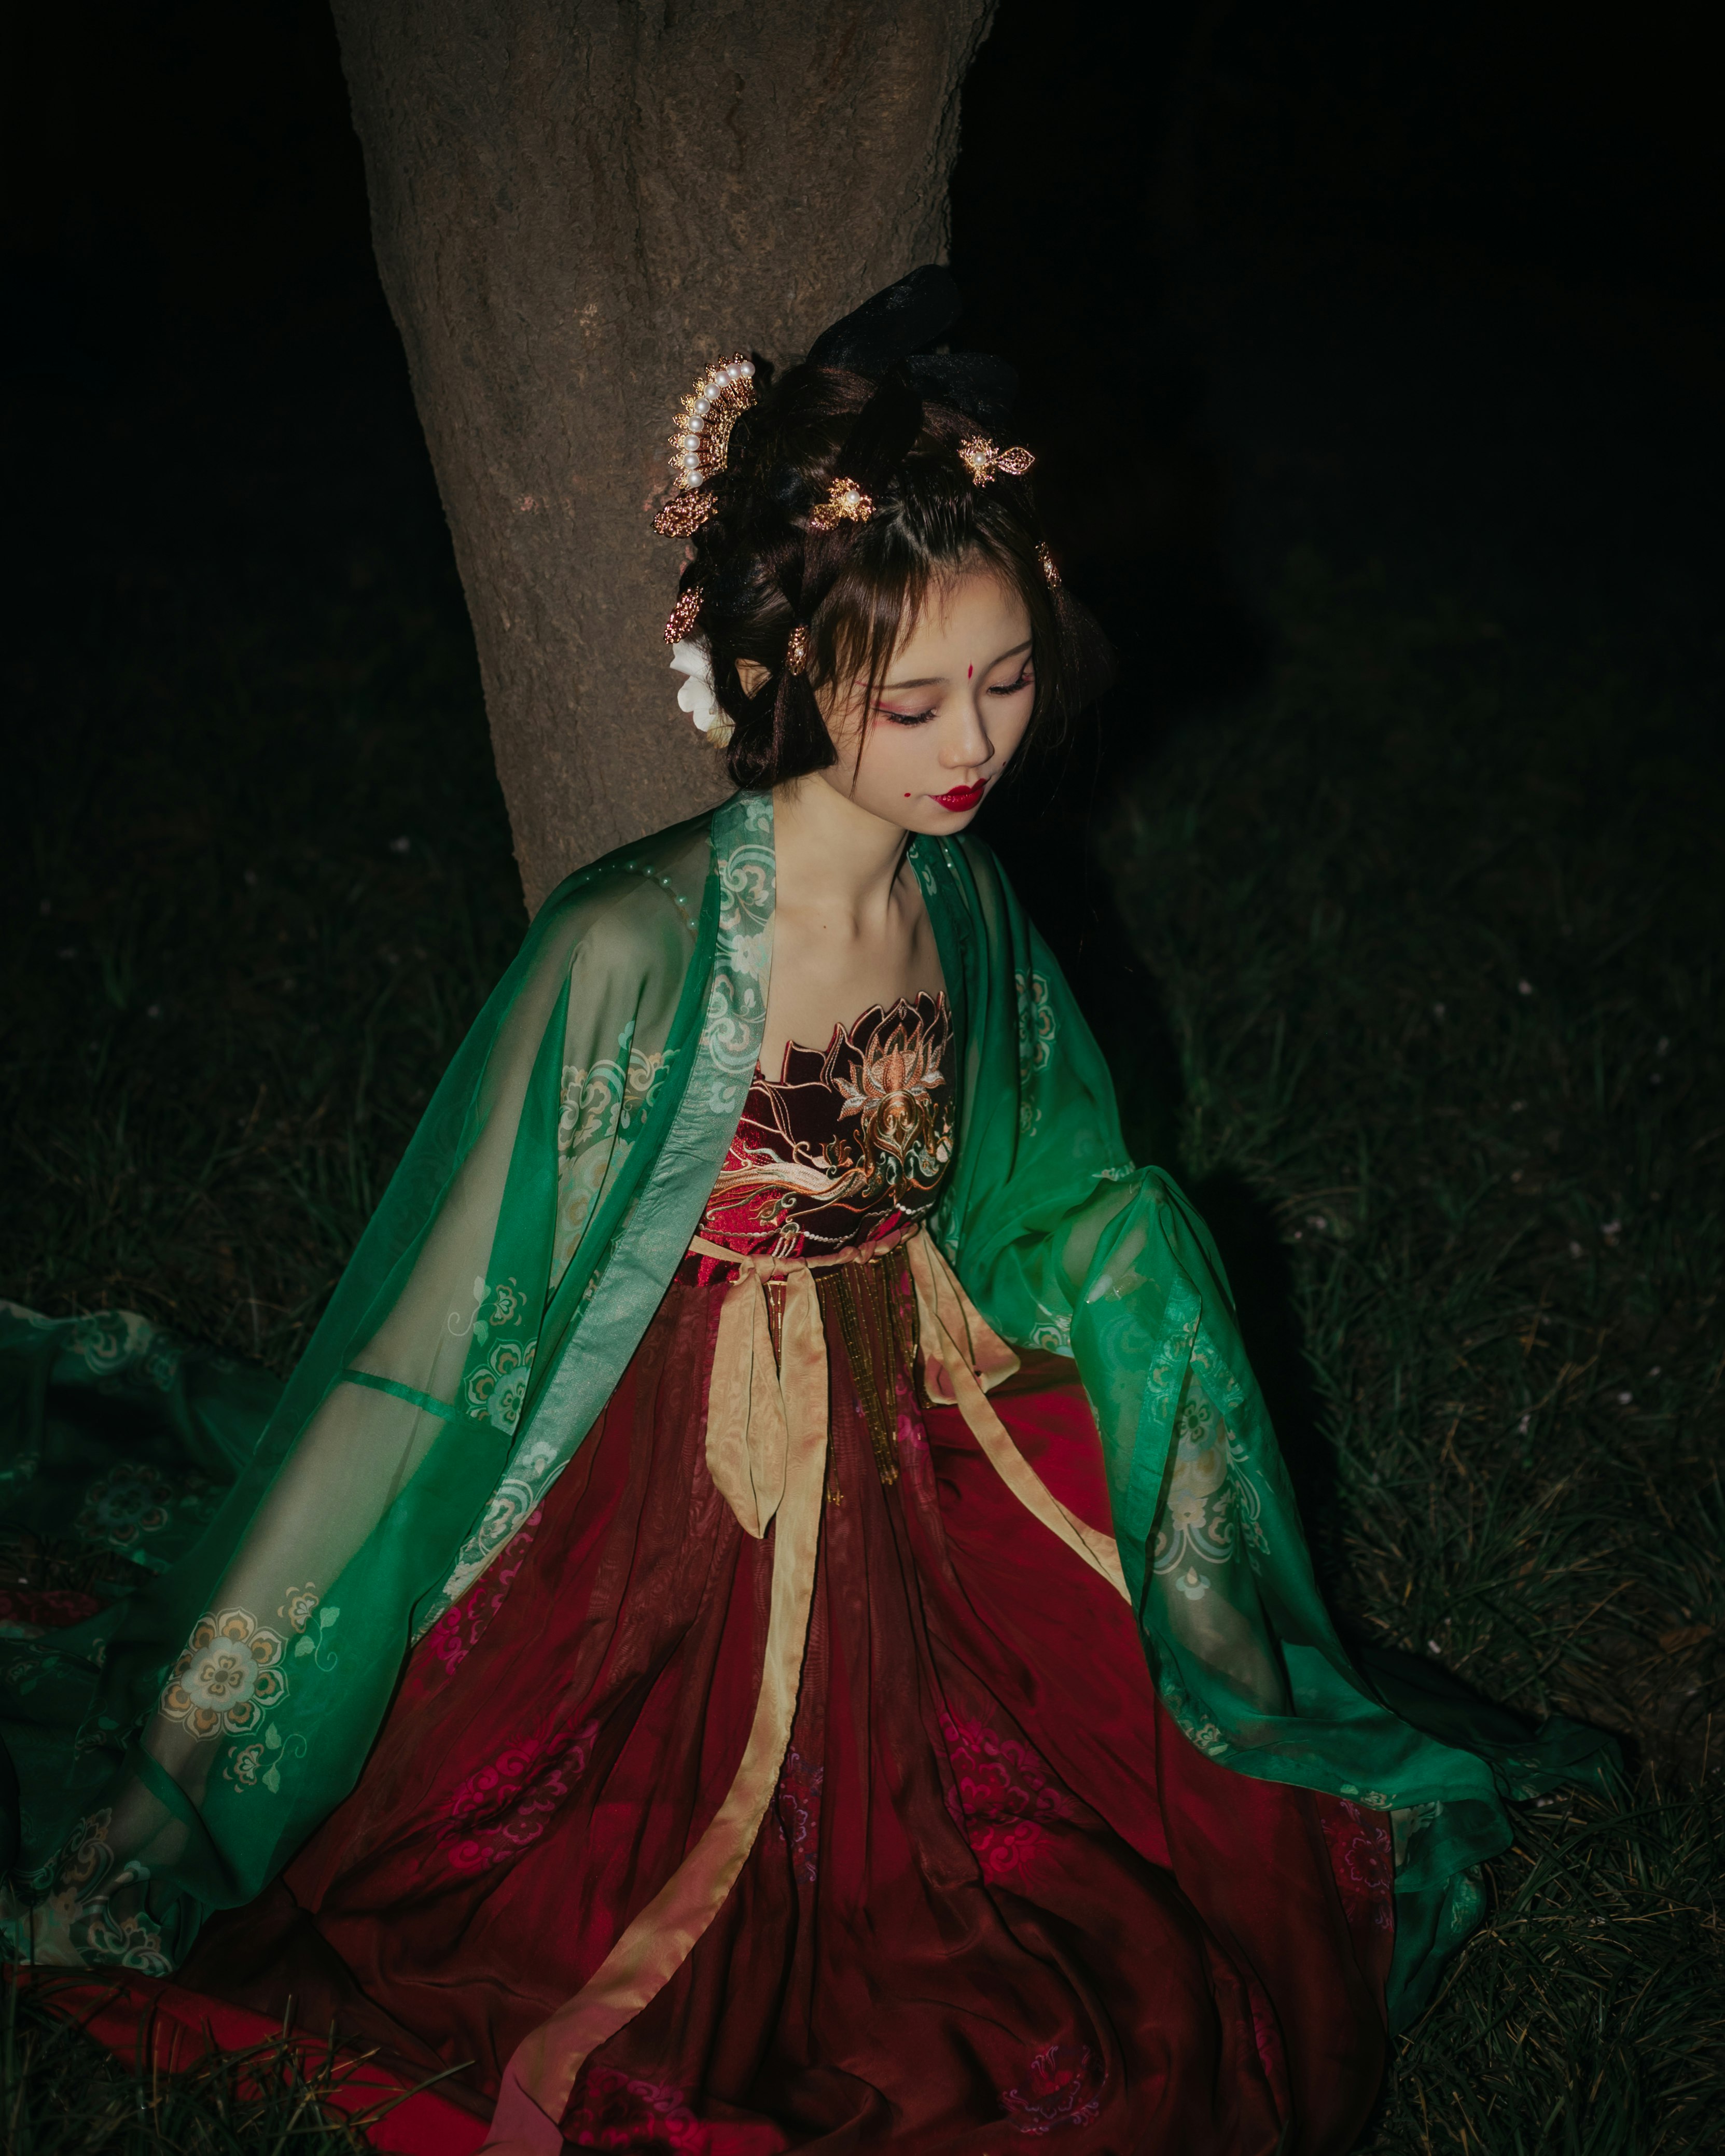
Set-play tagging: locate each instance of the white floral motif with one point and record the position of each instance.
(602, 1109)
(76, 1922)
(1198, 1729)
(1215, 1506)
(737, 1004)
(747, 886)
(245, 1766)
(594, 1102)
(511, 1503)
(229, 1676)
(497, 1387)
(110, 1341)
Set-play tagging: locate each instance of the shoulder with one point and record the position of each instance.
(633, 910)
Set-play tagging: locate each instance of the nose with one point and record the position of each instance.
(967, 748)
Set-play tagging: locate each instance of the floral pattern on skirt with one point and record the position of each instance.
(998, 1898)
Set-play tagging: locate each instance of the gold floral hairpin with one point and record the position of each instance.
(683, 615)
(845, 504)
(683, 516)
(701, 438)
(1051, 575)
(985, 462)
(796, 650)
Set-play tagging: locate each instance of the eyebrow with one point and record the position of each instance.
(934, 680)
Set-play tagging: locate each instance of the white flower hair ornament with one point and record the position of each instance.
(697, 695)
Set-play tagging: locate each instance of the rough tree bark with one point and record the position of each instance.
(576, 205)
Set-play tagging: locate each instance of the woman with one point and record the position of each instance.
(770, 1615)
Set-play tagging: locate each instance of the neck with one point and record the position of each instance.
(832, 855)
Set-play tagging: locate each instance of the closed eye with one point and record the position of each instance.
(1026, 680)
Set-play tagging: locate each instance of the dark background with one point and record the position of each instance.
(1434, 286)
(1435, 289)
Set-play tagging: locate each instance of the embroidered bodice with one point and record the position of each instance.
(846, 1144)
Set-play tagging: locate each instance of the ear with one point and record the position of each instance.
(751, 675)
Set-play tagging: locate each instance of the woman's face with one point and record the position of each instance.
(954, 707)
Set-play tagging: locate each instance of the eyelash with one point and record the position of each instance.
(921, 718)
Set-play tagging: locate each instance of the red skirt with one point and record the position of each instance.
(998, 1893)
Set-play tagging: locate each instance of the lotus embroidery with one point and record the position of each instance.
(891, 1090)
(848, 1143)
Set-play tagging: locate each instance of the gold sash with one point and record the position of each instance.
(766, 1450)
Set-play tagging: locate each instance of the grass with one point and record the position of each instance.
(1434, 931)
(62, 2096)
(254, 928)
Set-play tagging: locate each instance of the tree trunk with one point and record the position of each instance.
(577, 204)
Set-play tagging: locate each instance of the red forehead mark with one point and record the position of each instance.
(968, 671)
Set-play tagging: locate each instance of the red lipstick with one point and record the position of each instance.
(962, 798)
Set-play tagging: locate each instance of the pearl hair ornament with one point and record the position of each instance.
(700, 437)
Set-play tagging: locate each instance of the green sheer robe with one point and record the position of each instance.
(173, 1752)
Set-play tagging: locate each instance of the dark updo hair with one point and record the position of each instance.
(859, 590)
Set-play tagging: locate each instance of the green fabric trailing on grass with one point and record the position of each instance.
(145, 1435)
